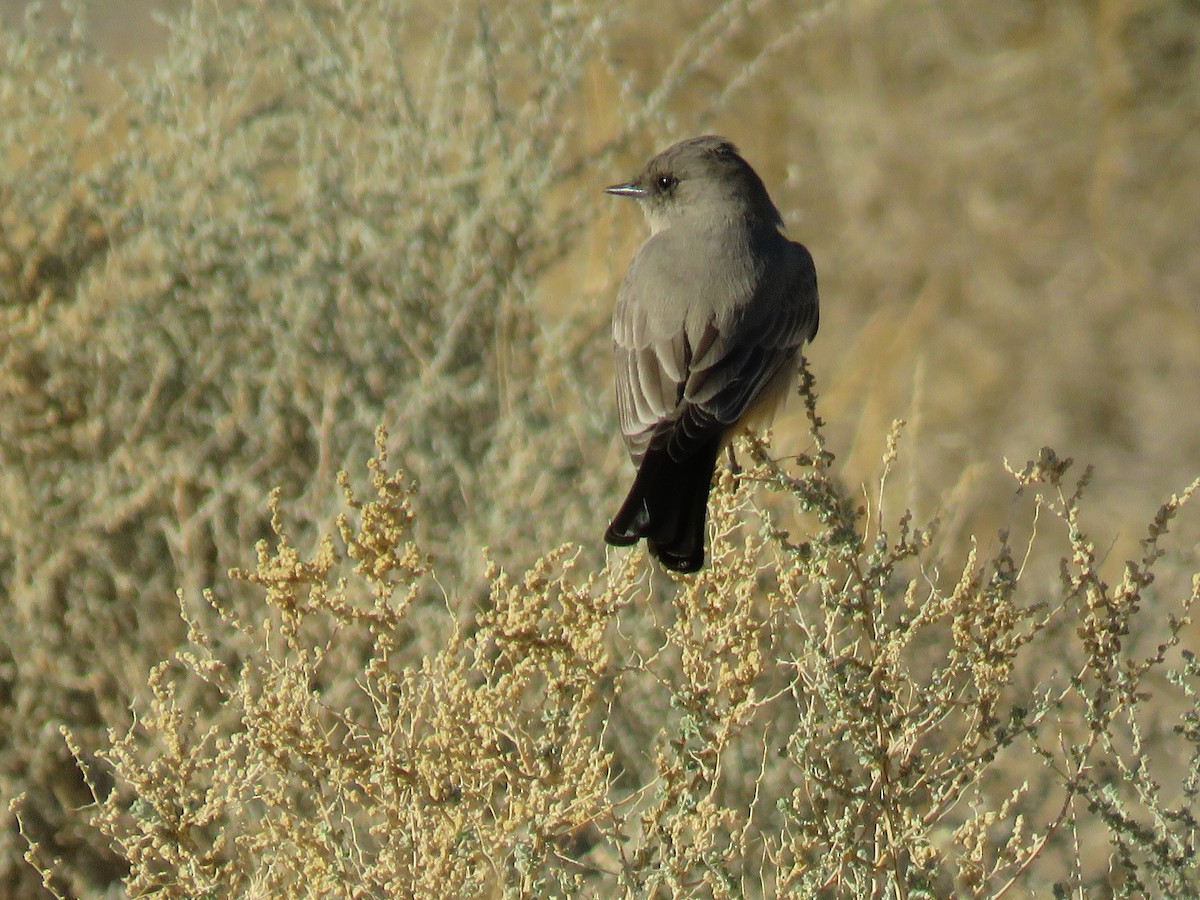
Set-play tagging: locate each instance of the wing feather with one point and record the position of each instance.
(688, 368)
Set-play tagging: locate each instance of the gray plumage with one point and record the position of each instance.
(708, 327)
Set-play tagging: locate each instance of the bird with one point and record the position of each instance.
(708, 327)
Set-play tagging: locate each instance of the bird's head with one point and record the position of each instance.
(702, 181)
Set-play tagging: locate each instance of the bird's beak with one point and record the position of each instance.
(628, 189)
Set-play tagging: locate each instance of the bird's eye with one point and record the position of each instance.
(666, 182)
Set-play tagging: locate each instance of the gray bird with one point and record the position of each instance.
(708, 328)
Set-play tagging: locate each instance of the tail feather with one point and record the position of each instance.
(668, 505)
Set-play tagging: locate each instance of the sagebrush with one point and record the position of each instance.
(836, 711)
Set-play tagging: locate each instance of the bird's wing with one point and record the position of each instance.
(685, 371)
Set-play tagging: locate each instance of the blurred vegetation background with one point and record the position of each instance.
(233, 245)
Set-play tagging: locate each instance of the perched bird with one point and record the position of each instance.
(708, 327)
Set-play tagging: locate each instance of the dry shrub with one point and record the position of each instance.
(845, 714)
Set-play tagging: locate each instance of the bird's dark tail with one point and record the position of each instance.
(667, 506)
